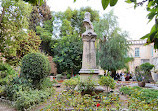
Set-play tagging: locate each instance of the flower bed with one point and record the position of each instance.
(75, 101)
(141, 98)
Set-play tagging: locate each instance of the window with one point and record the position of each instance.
(136, 52)
(144, 61)
(152, 51)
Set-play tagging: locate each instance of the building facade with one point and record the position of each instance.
(142, 53)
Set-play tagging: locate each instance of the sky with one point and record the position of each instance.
(134, 21)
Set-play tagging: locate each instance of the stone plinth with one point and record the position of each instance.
(89, 68)
(89, 53)
(85, 76)
(89, 56)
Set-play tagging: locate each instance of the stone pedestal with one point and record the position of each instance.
(89, 68)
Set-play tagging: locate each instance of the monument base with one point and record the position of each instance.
(89, 73)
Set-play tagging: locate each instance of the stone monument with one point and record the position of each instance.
(89, 50)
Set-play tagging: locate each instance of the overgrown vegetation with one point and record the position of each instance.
(76, 101)
(142, 94)
(31, 86)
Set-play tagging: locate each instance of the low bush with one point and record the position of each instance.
(68, 76)
(71, 83)
(26, 99)
(87, 85)
(59, 77)
(45, 83)
(7, 73)
(78, 102)
(107, 81)
(129, 90)
(16, 85)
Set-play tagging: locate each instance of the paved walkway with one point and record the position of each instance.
(147, 85)
(131, 83)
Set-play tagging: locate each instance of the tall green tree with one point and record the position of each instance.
(45, 33)
(6, 3)
(72, 20)
(38, 15)
(68, 54)
(41, 21)
(68, 49)
(112, 44)
(12, 33)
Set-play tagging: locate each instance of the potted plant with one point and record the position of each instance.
(140, 80)
(143, 73)
(140, 77)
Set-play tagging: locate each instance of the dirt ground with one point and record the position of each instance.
(6, 107)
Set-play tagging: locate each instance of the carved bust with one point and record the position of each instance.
(87, 23)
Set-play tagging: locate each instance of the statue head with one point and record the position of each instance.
(87, 16)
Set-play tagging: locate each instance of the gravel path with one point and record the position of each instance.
(6, 107)
(48, 102)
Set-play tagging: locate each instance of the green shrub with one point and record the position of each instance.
(107, 81)
(35, 66)
(87, 85)
(7, 73)
(71, 83)
(16, 85)
(125, 90)
(54, 81)
(59, 76)
(68, 76)
(26, 99)
(46, 83)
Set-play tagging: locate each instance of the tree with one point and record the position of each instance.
(38, 15)
(45, 33)
(68, 49)
(6, 3)
(68, 54)
(14, 41)
(112, 44)
(146, 67)
(152, 8)
(71, 20)
(41, 21)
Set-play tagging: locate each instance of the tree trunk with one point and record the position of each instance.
(72, 72)
(1, 17)
(113, 73)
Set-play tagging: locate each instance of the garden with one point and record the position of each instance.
(71, 81)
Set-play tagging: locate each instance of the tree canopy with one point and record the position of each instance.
(15, 41)
(68, 54)
(68, 48)
(151, 7)
(112, 43)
